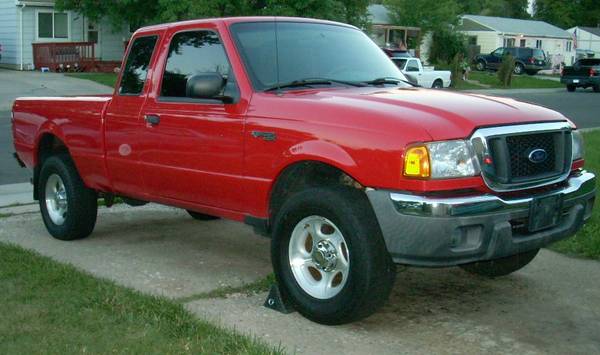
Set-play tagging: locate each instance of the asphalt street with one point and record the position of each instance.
(582, 107)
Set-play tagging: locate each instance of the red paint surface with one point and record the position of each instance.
(203, 156)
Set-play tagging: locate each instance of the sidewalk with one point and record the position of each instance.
(16, 195)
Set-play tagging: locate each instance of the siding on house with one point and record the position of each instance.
(488, 41)
(110, 46)
(8, 33)
(587, 40)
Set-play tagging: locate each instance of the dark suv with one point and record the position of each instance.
(527, 60)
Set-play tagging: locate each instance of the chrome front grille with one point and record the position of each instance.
(523, 156)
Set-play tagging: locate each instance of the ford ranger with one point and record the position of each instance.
(307, 131)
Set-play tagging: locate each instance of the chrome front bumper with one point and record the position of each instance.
(438, 231)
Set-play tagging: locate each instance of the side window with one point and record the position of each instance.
(136, 68)
(412, 66)
(194, 56)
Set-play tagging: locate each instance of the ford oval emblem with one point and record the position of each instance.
(538, 156)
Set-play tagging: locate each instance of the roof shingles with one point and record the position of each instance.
(520, 27)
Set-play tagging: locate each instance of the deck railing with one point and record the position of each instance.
(60, 56)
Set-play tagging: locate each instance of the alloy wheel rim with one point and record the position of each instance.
(319, 257)
(56, 199)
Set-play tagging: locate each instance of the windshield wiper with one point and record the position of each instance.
(388, 80)
(310, 82)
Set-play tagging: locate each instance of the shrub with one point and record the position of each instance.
(445, 45)
(506, 69)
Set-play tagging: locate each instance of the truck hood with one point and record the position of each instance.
(442, 114)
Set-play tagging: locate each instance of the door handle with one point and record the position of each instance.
(152, 120)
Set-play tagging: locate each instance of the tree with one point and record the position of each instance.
(429, 15)
(567, 14)
(500, 8)
(143, 12)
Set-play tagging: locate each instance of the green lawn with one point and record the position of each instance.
(518, 82)
(108, 79)
(48, 307)
(587, 242)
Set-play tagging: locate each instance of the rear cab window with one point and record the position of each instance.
(135, 73)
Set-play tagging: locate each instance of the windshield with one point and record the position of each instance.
(309, 51)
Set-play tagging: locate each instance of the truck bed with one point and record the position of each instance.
(76, 120)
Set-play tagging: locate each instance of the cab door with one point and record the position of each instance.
(122, 119)
(193, 146)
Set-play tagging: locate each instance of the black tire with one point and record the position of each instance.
(438, 84)
(201, 216)
(532, 72)
(501, 267)
(571, 88)
(82, 202)
(596, 88)
(480, 66)
(371, 272)
(519, 69)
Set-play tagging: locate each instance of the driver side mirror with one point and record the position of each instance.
(205, 86)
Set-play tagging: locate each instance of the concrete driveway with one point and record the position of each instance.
(15, 84)
(551, 306)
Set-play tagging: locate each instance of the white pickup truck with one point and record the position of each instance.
(423, 76)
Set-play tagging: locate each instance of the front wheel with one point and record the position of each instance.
(480, 65)
(329, 256)
(69, 209)
(501, 267)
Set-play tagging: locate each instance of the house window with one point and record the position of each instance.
(509, 42)
(53, 25)
(569, 46)
(523, 43)
(538, 43)
(472, 40)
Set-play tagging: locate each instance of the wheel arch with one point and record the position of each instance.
(48, 144)
(303, 174)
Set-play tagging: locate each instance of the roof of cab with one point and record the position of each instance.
(231, 20)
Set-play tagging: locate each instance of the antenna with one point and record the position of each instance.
(277, 58)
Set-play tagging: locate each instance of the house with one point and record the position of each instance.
(386, 34)
(489, 33)
(587, 41)
(33, 34)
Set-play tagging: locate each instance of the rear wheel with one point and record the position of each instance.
(596, 88)
(501, 267)
(69, 209)
(201, 216)
(571, 88)
(438, 84)
(329, 256)
(532, 72)
(519, 69)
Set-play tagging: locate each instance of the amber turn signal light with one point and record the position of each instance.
(416, 162)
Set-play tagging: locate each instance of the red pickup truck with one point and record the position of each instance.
(307, 131)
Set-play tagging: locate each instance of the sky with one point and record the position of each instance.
(530, 8)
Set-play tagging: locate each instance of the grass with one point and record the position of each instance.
(518, 82)
(587, 241)
(108, 79)
(48, 307)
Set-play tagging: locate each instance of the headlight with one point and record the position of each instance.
(440, 160)
(577, 147)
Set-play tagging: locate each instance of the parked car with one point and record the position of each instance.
(320, 145)
(413, 69)
(584, 73)
(527, 60)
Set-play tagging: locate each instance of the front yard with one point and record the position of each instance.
(49, 307)
(587, 242)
